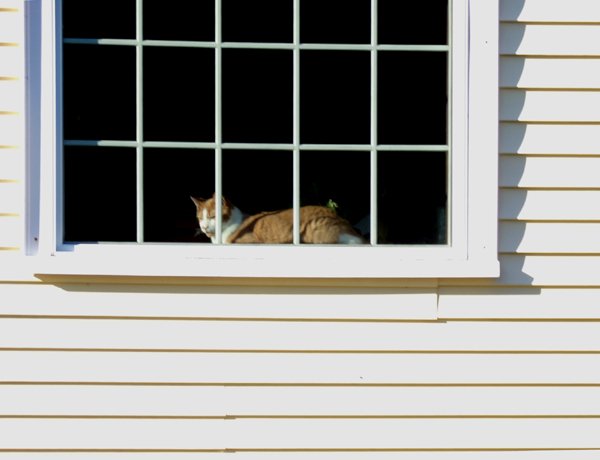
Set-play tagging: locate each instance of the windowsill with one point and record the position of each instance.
(261, 263)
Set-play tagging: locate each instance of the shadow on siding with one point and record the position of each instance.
(511, 105)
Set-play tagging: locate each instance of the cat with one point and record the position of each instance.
(318, 225)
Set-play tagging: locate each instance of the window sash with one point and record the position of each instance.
(296, 147)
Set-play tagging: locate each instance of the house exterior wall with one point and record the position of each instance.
(502, 369)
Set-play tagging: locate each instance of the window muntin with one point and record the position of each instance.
(186, 106)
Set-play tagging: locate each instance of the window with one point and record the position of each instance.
(365, 106)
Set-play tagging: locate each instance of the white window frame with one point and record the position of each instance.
(473, 181)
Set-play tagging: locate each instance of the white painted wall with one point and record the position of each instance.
(510, 371)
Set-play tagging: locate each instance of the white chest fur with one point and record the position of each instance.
(230, 226)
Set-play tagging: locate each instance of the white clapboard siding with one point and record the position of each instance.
(11, 96)
(308, 455)
(519, 303)
(11, 231)
(549, 106)
(550, 40)
(299, 434)
(549, 139)
(520, 72)
(11, 27)
(550, 10)
(542, 270)
(292, 336)
(298, 368)
(11, 61)
(11, 130)
(10, 193)
(215, 302)
(549, 172)
(543, 238)
(11, 5)
(554, 205)
(11, 164)
(209, 401)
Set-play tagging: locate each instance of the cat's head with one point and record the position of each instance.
(206, 214)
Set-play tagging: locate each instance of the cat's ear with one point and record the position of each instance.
(198, 201)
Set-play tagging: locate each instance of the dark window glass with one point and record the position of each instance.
(257, 96)
(412, 98)
(105, 19)
(257, 21)
(171, 176)
(340, 180)
(258, 180)
(335, 97)
(99, 92)
(191, 20)
(335, 21)
(179, 94)
(423, 22)
(412, 198)
(100, 194)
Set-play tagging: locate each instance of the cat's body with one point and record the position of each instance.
(318, 225)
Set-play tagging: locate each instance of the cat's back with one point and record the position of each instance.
(318, 225)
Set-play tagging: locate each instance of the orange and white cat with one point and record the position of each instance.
(318, 225)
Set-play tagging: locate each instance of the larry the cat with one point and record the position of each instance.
(318, 225)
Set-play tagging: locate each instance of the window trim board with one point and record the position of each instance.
(480, 189)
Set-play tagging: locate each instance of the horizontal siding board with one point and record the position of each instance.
(147, 401)
(298, 368)
(520, 72)
(549, 106)
(550, 10)
(519, 303)
(11, 61)
(299, 434)
(11, 27)
(554, 205)
(11, 164)
(543, 238)
(542, 270)
(549, 172)
(10, 197)
(292, 336)
(215, 302)
(11, 96)
(11, 130)
(550, 270)
(549, 40)
(549, 139)
(11, 231)
(373, 455)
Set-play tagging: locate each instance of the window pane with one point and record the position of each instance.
(257, 96)
(259, 180)
(179, 94)
(100, 195)
(423, 22)
(99, 92)
(335, 97)
(105, 19)
(192, 20)
(171, 176)
(257, 21)
(339, 180)
(412, 198)
(335, 21)
(412, 97)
